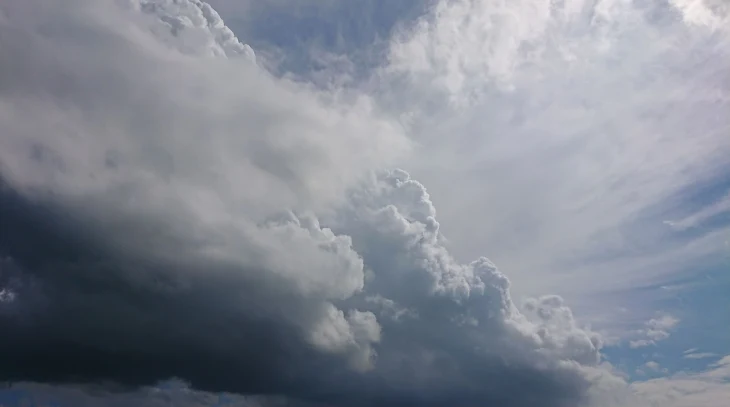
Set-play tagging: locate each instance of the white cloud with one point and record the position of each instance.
(166, 193)
(710, 388)
(703, 215)
(194, 27)
(711, 14)
(655, 367)
(655, 330)
(559, 136)
(147, 124)
(6, 296)
(700, 355)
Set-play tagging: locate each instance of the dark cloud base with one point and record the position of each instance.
(80, 318)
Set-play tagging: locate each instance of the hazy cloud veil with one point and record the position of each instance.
(171, 209)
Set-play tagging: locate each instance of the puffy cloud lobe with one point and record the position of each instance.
(559, 332)
(655, 330)
(464, 329)
(710, 14)
(197, 27)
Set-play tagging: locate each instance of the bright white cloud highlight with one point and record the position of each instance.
(568, 132)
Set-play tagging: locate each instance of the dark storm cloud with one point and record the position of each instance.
(94, 315)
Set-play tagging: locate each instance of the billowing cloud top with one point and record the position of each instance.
(172, 210)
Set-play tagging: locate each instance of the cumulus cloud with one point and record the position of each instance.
(709, 14)
(465, 320)
(655, 330)
(464, 341)
(147, 191)
(171, 209)
(653, 367)
(161, 218)
(194, 27)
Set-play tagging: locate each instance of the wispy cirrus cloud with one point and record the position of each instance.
(569, 132)
(700, 355)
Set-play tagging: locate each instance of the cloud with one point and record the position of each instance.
(709, 388)
(541, 122)
(710, 14)
(702, 216)
(467, 321)
(656, 329)
(700, 355)
(167, 394)
(320, 39)
(174, 210)
(654, 367)
(147, 194)
(163, 220)
(194, 27)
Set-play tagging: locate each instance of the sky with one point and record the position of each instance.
(367, 202)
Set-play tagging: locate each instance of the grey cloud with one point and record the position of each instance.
(476, 339)
(164, 395)
(175, 212)
(142, 193)
(688, 389)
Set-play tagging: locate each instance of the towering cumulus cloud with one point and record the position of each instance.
(161, 200)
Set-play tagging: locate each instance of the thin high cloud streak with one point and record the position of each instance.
(703, 216)
(567, 131)
(162, 205)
